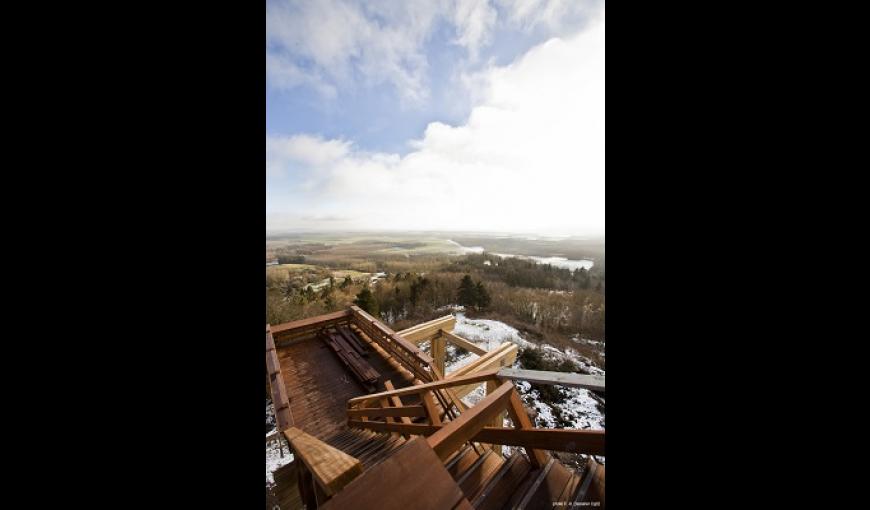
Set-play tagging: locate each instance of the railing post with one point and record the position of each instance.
(537, 458)
(498, 421)
(438, 347)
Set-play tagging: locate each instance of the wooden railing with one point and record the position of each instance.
(409, 355)
(477, 424)
(323, 470)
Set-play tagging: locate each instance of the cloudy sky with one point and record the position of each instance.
(484, 115)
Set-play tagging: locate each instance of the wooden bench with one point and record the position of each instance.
(350, 356)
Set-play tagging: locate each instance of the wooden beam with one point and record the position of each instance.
(419, 388)
(373, 412)
(498, 421)
(590, 382)
(278, 391)
(310, 324)
(503, 356)
(497, 353)
(462, 429)
(438, 353)
(431, 412)
(461, 342)
(423, 331)
(590, 442)
(522, 421)
(331, 467)
(396, 401)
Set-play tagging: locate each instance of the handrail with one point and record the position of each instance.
(419, 388)
(280, 400)
(330, 467)
(411, 356)
(590, 382)
(590, 442)
(459, 431)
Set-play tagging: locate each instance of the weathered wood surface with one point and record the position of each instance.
(319, 385)
(426, 330)
(590, 442)
(463, 428)
(331, 467)
(413, 477)
(590, 382)
(354, 341)
(361, 369)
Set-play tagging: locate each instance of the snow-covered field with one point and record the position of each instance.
(579, 408)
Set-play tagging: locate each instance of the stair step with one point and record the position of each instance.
(551, 486)
(459, 468)
(476, 478)
(503, 483)
(456, 457)
(525, 491)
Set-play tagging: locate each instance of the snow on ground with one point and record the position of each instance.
(580, 409)
(465, 249)
(274, 460)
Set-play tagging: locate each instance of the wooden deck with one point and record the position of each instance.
(319, 385)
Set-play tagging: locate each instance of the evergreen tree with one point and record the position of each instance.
(467, 292)
(483, 299)
(347, 281)
(366, 300)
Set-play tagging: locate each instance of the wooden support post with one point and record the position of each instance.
(429, 404)
(498, 421)
(521, 420)
(438, 352)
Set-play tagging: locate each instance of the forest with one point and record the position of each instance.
(549, 303)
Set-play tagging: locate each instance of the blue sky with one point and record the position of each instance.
(359, 93)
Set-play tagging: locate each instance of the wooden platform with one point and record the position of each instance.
(319, 385)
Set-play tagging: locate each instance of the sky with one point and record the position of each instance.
(474, 115)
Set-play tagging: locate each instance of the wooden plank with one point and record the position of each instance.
(353, 341)
(499, 358)
(396, 401)
(278, 390)
(331, 467)
(431, 412)
(439, 353)
(454, 434)
(279, 330)
(461, 342)
(590, 442)
(522, 421)
(419, 388)
(498, 353)
(421, 332)
(590, 382)
(412, 477)
(374, 412)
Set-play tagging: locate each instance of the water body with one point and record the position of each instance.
(553, 261)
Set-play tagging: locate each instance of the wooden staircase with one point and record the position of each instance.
(421, 447)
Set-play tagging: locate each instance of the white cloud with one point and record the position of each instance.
(529, 158)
